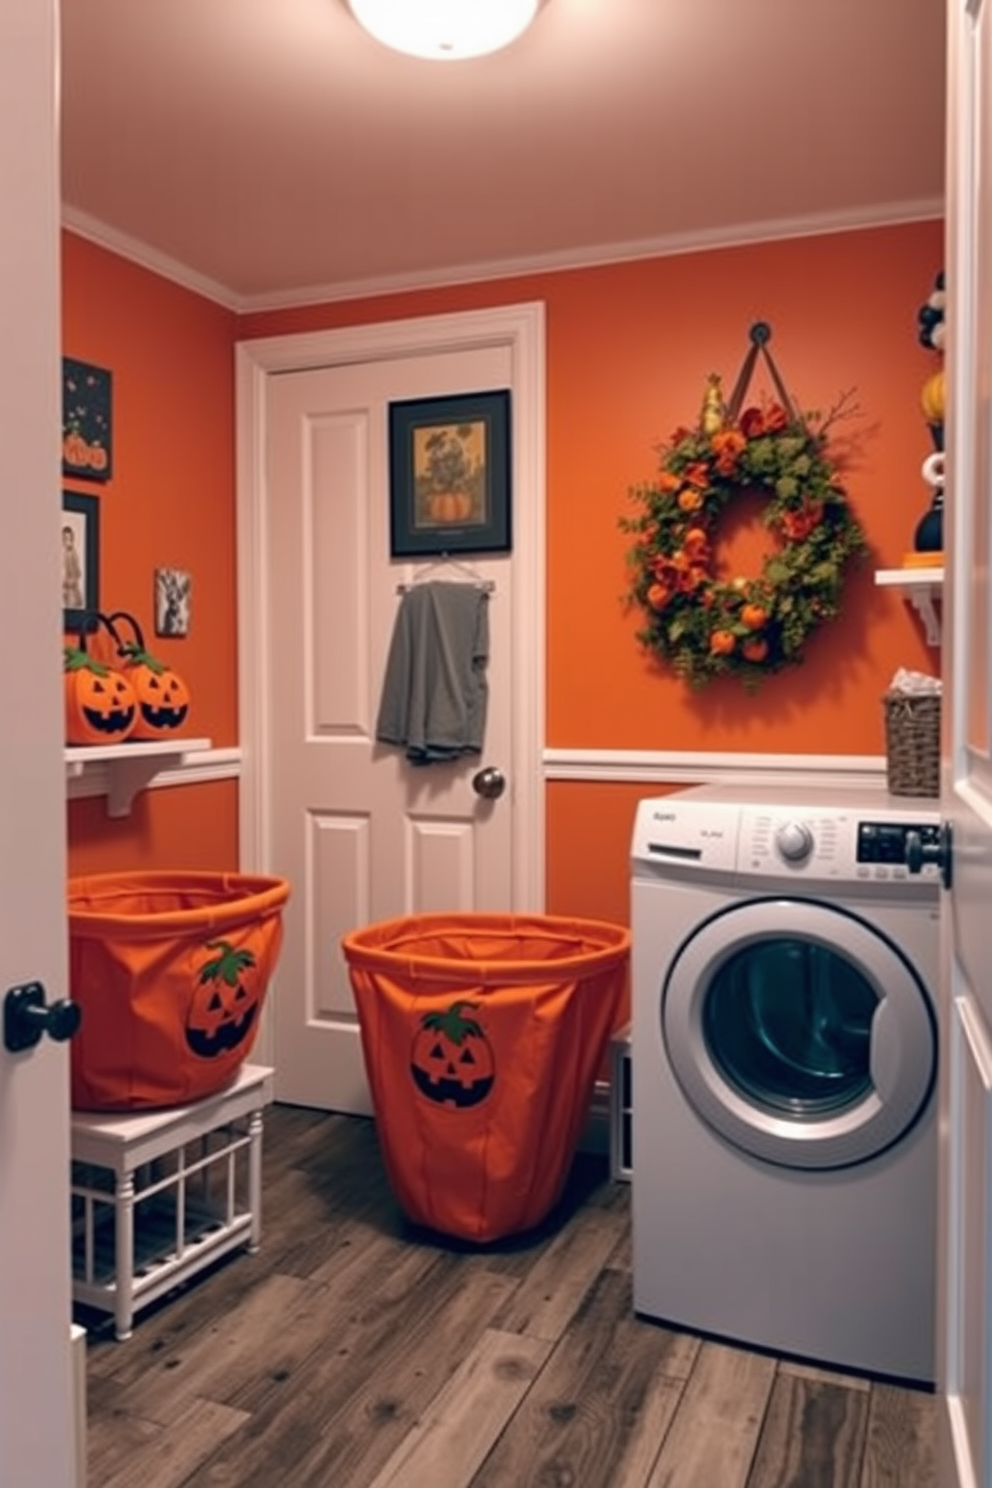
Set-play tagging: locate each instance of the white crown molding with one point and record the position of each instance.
(601, 255)
(591, 256)
(146, 258)
(673, 767)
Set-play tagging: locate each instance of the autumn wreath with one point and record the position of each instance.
(706, 624)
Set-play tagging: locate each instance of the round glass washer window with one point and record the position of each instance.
(787, 1021)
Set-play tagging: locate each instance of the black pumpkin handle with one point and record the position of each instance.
(133, 650)
(75, 658)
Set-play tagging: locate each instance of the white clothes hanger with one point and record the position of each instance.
(445, 562)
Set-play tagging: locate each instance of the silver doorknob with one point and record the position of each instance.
(489, 783)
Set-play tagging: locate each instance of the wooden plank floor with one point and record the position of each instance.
(355, 1352)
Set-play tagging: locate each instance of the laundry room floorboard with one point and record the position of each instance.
(355, 1351)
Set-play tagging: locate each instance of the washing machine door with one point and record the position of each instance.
(799, 1033)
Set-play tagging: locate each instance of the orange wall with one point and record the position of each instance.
(628, 348)
(170, 503)
(175, 827)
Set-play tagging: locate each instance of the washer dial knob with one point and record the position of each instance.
(794, 841)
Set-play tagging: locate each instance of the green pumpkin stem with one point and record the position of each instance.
(228, 965)
(453, 1023)
(138, 656)
(75, 659)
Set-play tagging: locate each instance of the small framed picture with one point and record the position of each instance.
(87, 448)
(449, 475)
(173, 588)
(80, 558)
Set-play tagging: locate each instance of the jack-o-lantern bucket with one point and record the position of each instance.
(162, 697)
(482, 1036)
(100, 704)
(170, 971)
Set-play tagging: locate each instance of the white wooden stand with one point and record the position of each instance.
(158, 1195)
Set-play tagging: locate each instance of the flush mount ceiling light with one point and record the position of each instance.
(445, 30)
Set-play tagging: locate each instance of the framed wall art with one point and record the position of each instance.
(87, 447)
(80, 548)
(173, 594)
(449, 475)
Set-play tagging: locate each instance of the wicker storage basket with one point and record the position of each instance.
(912, 742)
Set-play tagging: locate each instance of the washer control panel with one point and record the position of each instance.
(786, 838)
(836, 846)
(885, 842)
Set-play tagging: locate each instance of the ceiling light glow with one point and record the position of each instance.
(445, 30)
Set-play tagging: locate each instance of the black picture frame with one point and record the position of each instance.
(81, 577)
(87, 417)
(449, 475)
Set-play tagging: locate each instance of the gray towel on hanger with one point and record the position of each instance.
(434, 692)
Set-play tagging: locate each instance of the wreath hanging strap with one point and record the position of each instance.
(695, 617)
(760, 334)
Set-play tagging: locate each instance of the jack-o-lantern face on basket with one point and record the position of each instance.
(452, 1060)
(162, 696)
(100, 705)
(225, 1003)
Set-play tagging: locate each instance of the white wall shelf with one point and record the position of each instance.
(922, 587)
(129, 768)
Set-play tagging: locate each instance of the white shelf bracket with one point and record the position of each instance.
(924, 602)
(122, 770)
(127, 778)
(923, 588)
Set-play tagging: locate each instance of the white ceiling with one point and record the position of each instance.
(269, 152)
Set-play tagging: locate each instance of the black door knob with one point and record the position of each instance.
(27, 1016)
(939, 851)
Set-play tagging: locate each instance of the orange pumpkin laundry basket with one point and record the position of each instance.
(170, 971)
(482, 1036)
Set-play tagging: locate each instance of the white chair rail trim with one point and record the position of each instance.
(675, 767)
(634, 766)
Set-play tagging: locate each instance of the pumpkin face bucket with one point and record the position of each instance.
(171, 971)
(100, 704)
(163, 698)
(452, 1061)
(482, 1035)
(163, 701)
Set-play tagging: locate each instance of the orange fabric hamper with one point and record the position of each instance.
(482, 1035)
(170, 970)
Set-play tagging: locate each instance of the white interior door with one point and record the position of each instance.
(965, 1281)
(361, 833)
(36, 1427)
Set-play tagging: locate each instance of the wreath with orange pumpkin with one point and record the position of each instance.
(703, 622)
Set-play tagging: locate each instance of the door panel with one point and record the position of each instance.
(362, 834)
(965, 1258)
(36, 1400)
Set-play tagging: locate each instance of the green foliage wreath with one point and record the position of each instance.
(697, 619)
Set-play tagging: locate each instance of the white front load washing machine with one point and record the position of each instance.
(783, 1060)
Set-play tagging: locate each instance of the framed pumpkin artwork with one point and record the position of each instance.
(449, 475)
(87, 446)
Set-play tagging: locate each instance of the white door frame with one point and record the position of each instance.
(521, 327)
